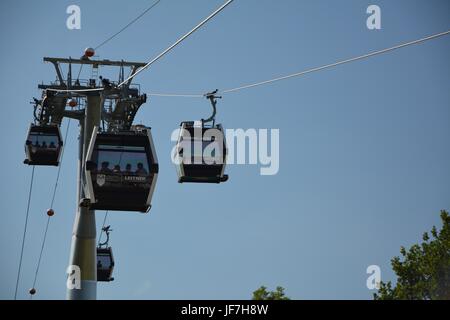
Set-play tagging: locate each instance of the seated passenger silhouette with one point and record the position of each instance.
(36, 144)
(52, 145)
(116, 168)
(141, 170)
(128, 169)
(44, 144)
(104, 168)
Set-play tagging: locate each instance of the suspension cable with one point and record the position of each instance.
(175, 95)
(128, 25)
(120, 31)
(364, 56)
(297, 74)
(159, 56)
(24, 232)
(212, 15)
(51, 207)
(316, 69)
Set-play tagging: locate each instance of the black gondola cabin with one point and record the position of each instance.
(43, 145)
(121, 170)
(105, 264)
(201, 153)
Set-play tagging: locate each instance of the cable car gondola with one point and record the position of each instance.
(105, 264)
(201, 150)
(105, 259)
(43, 145)
(121, 170)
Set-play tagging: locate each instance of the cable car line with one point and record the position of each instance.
(212, 15)
(304, 72)
(364, 56)
(297, 74)
(59, 167)
(49, 216)
(39, 260)
(128, 25)
(24, 232)
(176, 95)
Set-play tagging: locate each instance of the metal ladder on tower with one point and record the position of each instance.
(94, 73)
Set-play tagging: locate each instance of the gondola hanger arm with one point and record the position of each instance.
(212, 97)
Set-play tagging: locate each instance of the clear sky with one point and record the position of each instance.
(364, 152)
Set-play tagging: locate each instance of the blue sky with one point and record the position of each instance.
(363, 147)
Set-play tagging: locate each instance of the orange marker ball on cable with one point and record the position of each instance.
(50, 212)
(89, 52)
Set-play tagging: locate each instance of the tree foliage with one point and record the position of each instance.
(423, 271)
(263, 294)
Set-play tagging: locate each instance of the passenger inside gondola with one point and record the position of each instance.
(116, 169)
(123, 168)
(43, 145)
(128, 169)
(104, 168)
(125, 174)
(43, 141)
(141, 170)
(124, 162)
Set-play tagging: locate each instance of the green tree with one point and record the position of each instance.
(423, 272)
(263, 294)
